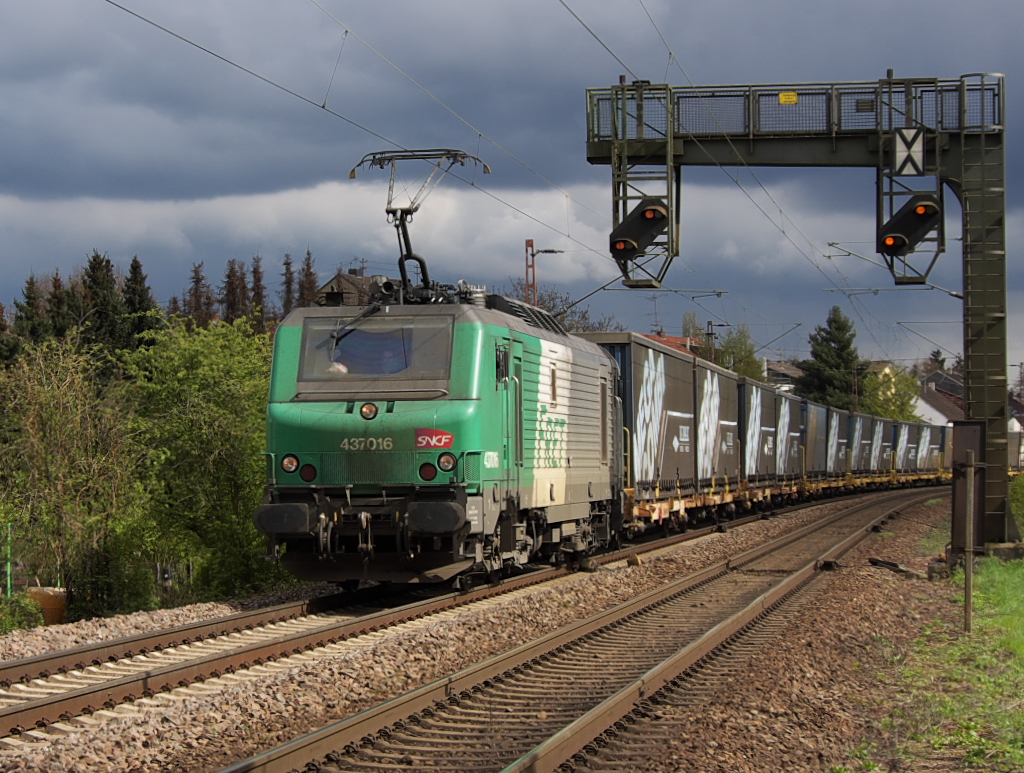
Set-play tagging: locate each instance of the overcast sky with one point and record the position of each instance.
(119, 137)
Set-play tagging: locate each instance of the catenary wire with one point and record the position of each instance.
(255, 74)
(782, 214)
(367, 129)
(457, 116)
(781, 228)
(598, 39)
(356, 124)
(398, 145)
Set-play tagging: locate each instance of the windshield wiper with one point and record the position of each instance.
(347, 328)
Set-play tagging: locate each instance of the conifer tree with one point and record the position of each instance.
(58, 306)
(288, 288)
(76, 301)
(234, 293)
(174, 307)
(829, 374)
(258, 297)
(309, 283)
(199, 301)
(30, 320)
(139, 303)
(106, 315)
(9, 343)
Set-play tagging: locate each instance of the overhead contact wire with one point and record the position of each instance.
(439, 101)
(255, 74)
(782, 213)
(738, 183)
(348, 120)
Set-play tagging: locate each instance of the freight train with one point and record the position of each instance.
(445, 434)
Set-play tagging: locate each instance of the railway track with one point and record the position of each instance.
(541, 705)
(38, 696)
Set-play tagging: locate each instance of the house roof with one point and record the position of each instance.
(680, 343)
(950, 406)
(783, 368)
(1016, 406)
(946, 382)
(354, 287)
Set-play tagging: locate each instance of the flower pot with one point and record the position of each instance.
(54, 602)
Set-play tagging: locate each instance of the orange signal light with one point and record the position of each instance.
(890, 241)
(921, 209)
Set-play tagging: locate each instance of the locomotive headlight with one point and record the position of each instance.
(446, 462)
(290, 463)
(428, 471)
(368, 411)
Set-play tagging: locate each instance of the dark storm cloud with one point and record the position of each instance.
(122, 138)
(114, 106)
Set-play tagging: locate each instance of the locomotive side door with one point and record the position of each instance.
(513, 425)
(511, 387)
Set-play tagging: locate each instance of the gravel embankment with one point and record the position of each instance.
(809, 717)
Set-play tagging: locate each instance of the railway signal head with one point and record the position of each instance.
(905, 230)
(638, 230)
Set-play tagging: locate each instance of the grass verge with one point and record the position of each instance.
(960, 697)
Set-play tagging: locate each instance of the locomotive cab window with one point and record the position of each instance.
(377, 348)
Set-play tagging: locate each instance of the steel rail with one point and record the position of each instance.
(352, 731)
(17, 718)
(26, 669)
(572, 739)
(41, 711)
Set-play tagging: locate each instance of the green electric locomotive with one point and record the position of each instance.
(438, 432)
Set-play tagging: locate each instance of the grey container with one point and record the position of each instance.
(789, 423)
(814, 439)
(758, 431)
(836, 462)
(717, 406)
(658, 413)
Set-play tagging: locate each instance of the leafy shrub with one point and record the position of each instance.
(18, 612)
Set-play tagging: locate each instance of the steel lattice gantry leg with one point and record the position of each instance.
(981, 190)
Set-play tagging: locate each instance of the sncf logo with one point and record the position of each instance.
(433, 438)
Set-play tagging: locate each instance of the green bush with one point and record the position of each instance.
(18, 612)
(200, 400)
(1017, 500)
